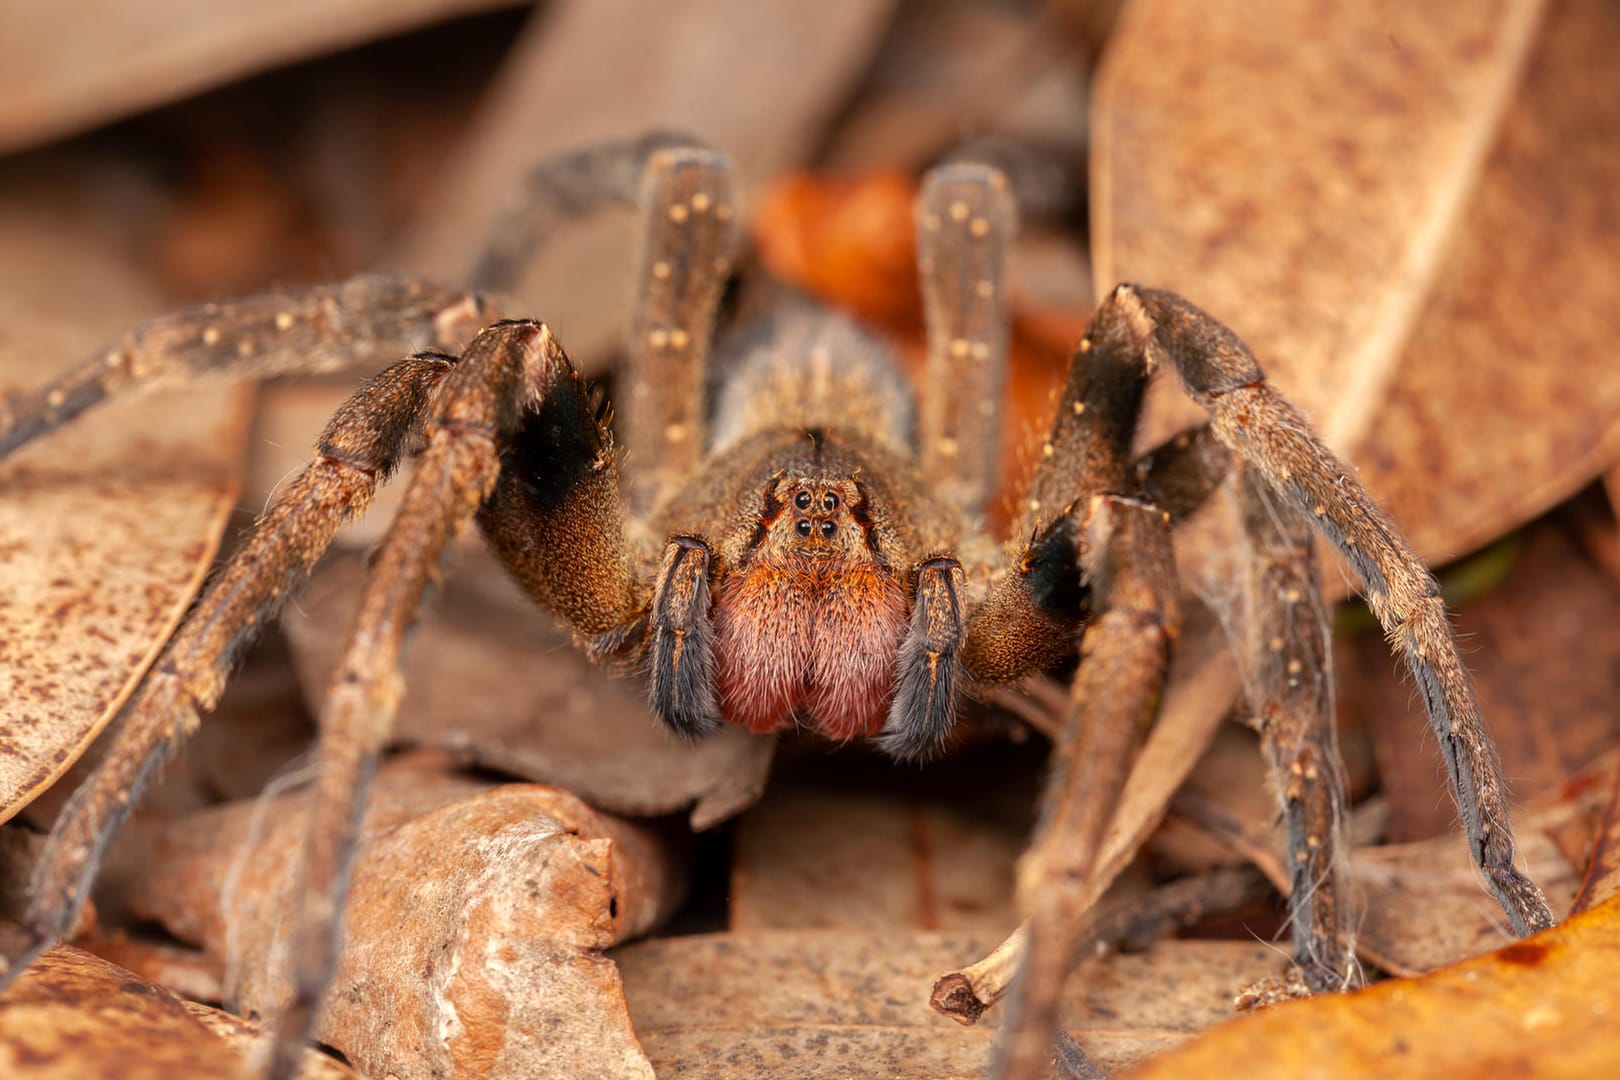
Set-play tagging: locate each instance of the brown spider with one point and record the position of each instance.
(806, 547)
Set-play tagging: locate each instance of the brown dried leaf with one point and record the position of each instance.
(810, 856)
(75, 1016)
(250, 1042)
(1602, 879)
(106, 528)
(491, 677)
(477, 916)
(758, 81)
(1536, 1008)
(838, 1003)
(1507, 396)
(180, 968)
(19, 850)
(1298, 171)
(1541, 646)
(64, 71)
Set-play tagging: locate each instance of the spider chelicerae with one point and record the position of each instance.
(796, 540)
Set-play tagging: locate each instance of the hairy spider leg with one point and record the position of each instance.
(688, 230)
(1251, 417)
(966, 219)
(1290, 668)
(1147, 327)
(555, 518)
(360, 323)
(361, 446)
(562, 190)
(1094, 531)
(477, 409)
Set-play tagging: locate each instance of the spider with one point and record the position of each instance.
(796, 542)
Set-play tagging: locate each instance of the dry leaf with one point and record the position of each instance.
(1541, 1008)
(107, 528)
(1518, 333)
(492, 677)
(75, 1016)
(64, 70)
(1297, 171)
(477, 916)
(1602, 879)
(934, 857)
(839, 1003)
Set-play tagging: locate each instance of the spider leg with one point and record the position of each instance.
(1030, 619)
(1124, 657)
(688, 230)
(560, 191)
(1181, 473)
(1251, 417)
(966, 217)
(355, 323)
(1096, 542)
(360, 447)
(477, 409)
(1290, 663)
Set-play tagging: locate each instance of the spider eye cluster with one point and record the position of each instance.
(816, 513)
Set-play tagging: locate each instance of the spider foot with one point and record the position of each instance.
(1523, 901)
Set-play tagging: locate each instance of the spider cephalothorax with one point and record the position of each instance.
(792, 539)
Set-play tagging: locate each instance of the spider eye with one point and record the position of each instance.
(829, 502)
(803, 527)
(802, 500)
(828, 528)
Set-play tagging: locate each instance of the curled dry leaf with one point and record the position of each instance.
(476, 920)
(75, 1016)
(839, 1003)
(106, 529)
(1541, 1007)
(492, 677)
